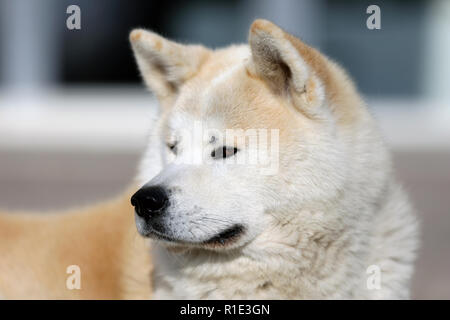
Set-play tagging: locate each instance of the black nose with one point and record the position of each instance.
(150, 201)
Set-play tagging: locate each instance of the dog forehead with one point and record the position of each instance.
(215, 78)
(212, 106)
(225, 95)
(208, 100)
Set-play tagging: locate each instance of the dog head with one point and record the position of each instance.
(246, 136)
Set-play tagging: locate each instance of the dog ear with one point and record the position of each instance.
(165, 65)
(288, 65)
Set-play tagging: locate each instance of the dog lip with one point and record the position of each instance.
(152, 233)
(227, 236)
(224, 238)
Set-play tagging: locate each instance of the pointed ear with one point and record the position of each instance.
(165, 65)
(288, 65)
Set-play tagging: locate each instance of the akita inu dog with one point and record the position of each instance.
(328, 220)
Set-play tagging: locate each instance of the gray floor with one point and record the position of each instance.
(46, 181)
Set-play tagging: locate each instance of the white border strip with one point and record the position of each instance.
(120, 119)
(108, 120)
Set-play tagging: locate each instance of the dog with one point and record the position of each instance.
(318, 216)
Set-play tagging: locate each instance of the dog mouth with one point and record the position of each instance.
(227, 236)
(224, 238)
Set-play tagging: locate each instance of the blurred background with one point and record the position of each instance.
(74, 114)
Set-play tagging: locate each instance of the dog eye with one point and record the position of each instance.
(172, 147)
(224, 152)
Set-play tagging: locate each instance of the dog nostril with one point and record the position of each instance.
(149, 200)
(154, 202)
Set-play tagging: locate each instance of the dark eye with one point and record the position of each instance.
(224, 152)
(172, 147)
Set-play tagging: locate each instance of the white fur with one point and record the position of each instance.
(312, 230)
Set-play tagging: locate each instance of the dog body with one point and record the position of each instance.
(38, 250)
(322, 218)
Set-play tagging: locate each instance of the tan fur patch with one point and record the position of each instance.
(135, 35)
(36, 250)
(158, 44)
(339, 88)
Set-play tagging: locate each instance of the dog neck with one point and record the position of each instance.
(300, 267)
